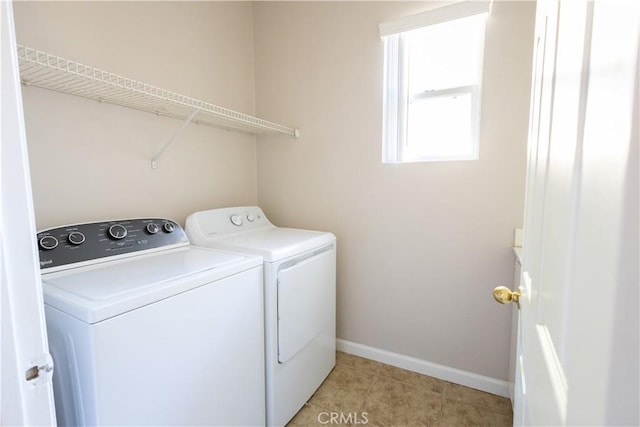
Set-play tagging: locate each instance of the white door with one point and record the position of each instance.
(26, 396)
(577, 361)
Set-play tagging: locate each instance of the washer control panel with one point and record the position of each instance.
(72, 244)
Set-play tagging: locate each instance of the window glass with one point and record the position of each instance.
(438, 129)
(445, 55)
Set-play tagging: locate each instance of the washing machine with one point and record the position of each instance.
(145, 329)
(300, 298)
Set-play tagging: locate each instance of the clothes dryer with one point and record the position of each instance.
(300, 298)
(145, 329)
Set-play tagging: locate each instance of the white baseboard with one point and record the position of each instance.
(458, 376)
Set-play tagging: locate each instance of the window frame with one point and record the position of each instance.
(396, 97)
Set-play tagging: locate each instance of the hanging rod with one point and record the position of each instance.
(48, 71)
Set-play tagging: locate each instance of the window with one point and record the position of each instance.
(433, 75)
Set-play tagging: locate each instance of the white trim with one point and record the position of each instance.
(447, 92)
(391, 105)
(434, 16)
(458, 376)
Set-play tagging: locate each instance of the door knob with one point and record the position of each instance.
(504, 295)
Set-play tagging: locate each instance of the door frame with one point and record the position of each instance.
(26, 368)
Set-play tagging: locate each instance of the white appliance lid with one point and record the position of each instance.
(98, 292)
(273, 243)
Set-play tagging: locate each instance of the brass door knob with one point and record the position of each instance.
(504, 295)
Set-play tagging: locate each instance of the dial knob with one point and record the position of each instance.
(169, 227)
(48, 242)
(236, 220)
(153, 228)
(251, 218)
(76, 238)
(118, 231)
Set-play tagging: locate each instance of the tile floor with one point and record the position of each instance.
(363, 392)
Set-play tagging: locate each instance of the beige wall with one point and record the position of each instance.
(420, 246)
(91, 161)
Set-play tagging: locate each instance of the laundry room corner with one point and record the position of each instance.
(420, 245)
(92, 160)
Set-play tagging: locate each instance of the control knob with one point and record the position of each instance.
(251, 218)
(76, 238)
(48, 242)
(153, 228)
(236, 220)
(169, 227)
(118, 231)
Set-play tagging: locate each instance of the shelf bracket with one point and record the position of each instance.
(154, 161)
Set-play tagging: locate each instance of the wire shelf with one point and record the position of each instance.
(48, 71)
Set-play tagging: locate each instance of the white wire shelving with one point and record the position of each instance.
(52, 72)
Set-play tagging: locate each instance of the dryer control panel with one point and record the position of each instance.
(224, 221)
(82, 243)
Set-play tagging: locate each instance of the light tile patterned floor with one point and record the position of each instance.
(361, 392)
